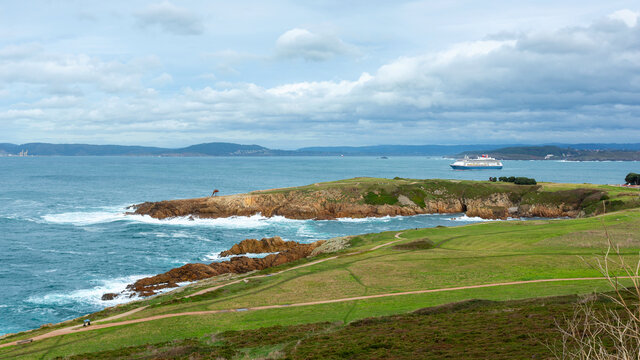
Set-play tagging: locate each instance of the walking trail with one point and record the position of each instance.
(80, 328)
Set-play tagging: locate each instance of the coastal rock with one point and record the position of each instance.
(237, 265)
(253, 246)
(109, 296)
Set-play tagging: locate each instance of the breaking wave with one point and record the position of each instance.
(91, 295)
(215, 256)
(88, 218)
(466, 218)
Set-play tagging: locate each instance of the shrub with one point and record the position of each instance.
(612, 333)
(524, 181)
(518, 180)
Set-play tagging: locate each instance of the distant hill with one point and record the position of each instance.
(80, 149)
(396, 150)
(558, 153)
(595, 146)
(209, 149)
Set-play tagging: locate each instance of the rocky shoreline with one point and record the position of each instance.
(367, 198)
(353, 198)
(285, 252)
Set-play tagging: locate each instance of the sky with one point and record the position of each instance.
(289, 74)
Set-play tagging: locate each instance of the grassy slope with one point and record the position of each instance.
(379, 191)
(468, 255)
(470, 330)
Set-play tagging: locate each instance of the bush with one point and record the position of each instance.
(632, 179)
(524, 181)
(518, 180)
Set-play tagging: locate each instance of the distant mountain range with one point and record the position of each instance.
(209, 149)
(230, 149)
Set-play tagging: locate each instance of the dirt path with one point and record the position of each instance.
(79, 328)
(71, 329)
(204, 291)
(397, 236)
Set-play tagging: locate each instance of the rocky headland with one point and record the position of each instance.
(371, 197)
(285, 251)
(359, 198)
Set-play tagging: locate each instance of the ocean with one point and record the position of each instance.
(64, 238)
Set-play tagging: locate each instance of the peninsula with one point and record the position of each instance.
(377, 197)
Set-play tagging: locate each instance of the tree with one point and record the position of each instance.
(632, 179)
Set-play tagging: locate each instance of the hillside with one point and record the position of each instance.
(380, 297)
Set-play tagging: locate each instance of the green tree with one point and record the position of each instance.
(632, 179)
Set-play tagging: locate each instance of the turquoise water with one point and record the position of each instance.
(64, 240)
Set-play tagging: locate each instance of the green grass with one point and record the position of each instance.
(198, 326)
(433, 258)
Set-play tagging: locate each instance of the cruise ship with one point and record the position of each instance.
(480, 162)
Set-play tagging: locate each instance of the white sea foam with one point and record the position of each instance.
(366, 219)
(233, 222)
(113, 214)
(80, 218)
(91, 295)
(215, 256)
(477, 219)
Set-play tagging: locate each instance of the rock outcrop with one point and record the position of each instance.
(289, 251)
(266, 245)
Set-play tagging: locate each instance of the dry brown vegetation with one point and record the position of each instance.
(612, 333)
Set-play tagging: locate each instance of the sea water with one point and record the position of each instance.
(65, 240)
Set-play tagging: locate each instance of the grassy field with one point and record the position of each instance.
(422, 259)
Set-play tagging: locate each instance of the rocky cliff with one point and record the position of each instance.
(266, 245)
(367, 197)
(287, 251)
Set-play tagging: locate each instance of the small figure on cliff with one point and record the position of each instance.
(87, 322)
(215, 192)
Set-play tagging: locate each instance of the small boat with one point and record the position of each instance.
(479, 163)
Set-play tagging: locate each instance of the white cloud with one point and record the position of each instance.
(162, 79)
(627, 16)
(542, 86)
(170, 18)
(301, 43)
(61, 70)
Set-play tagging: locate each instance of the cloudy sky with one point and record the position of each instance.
(288, 74)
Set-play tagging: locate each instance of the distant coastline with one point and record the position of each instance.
(573, 152)
(560, 153)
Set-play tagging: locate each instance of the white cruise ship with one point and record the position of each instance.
(480, 162)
